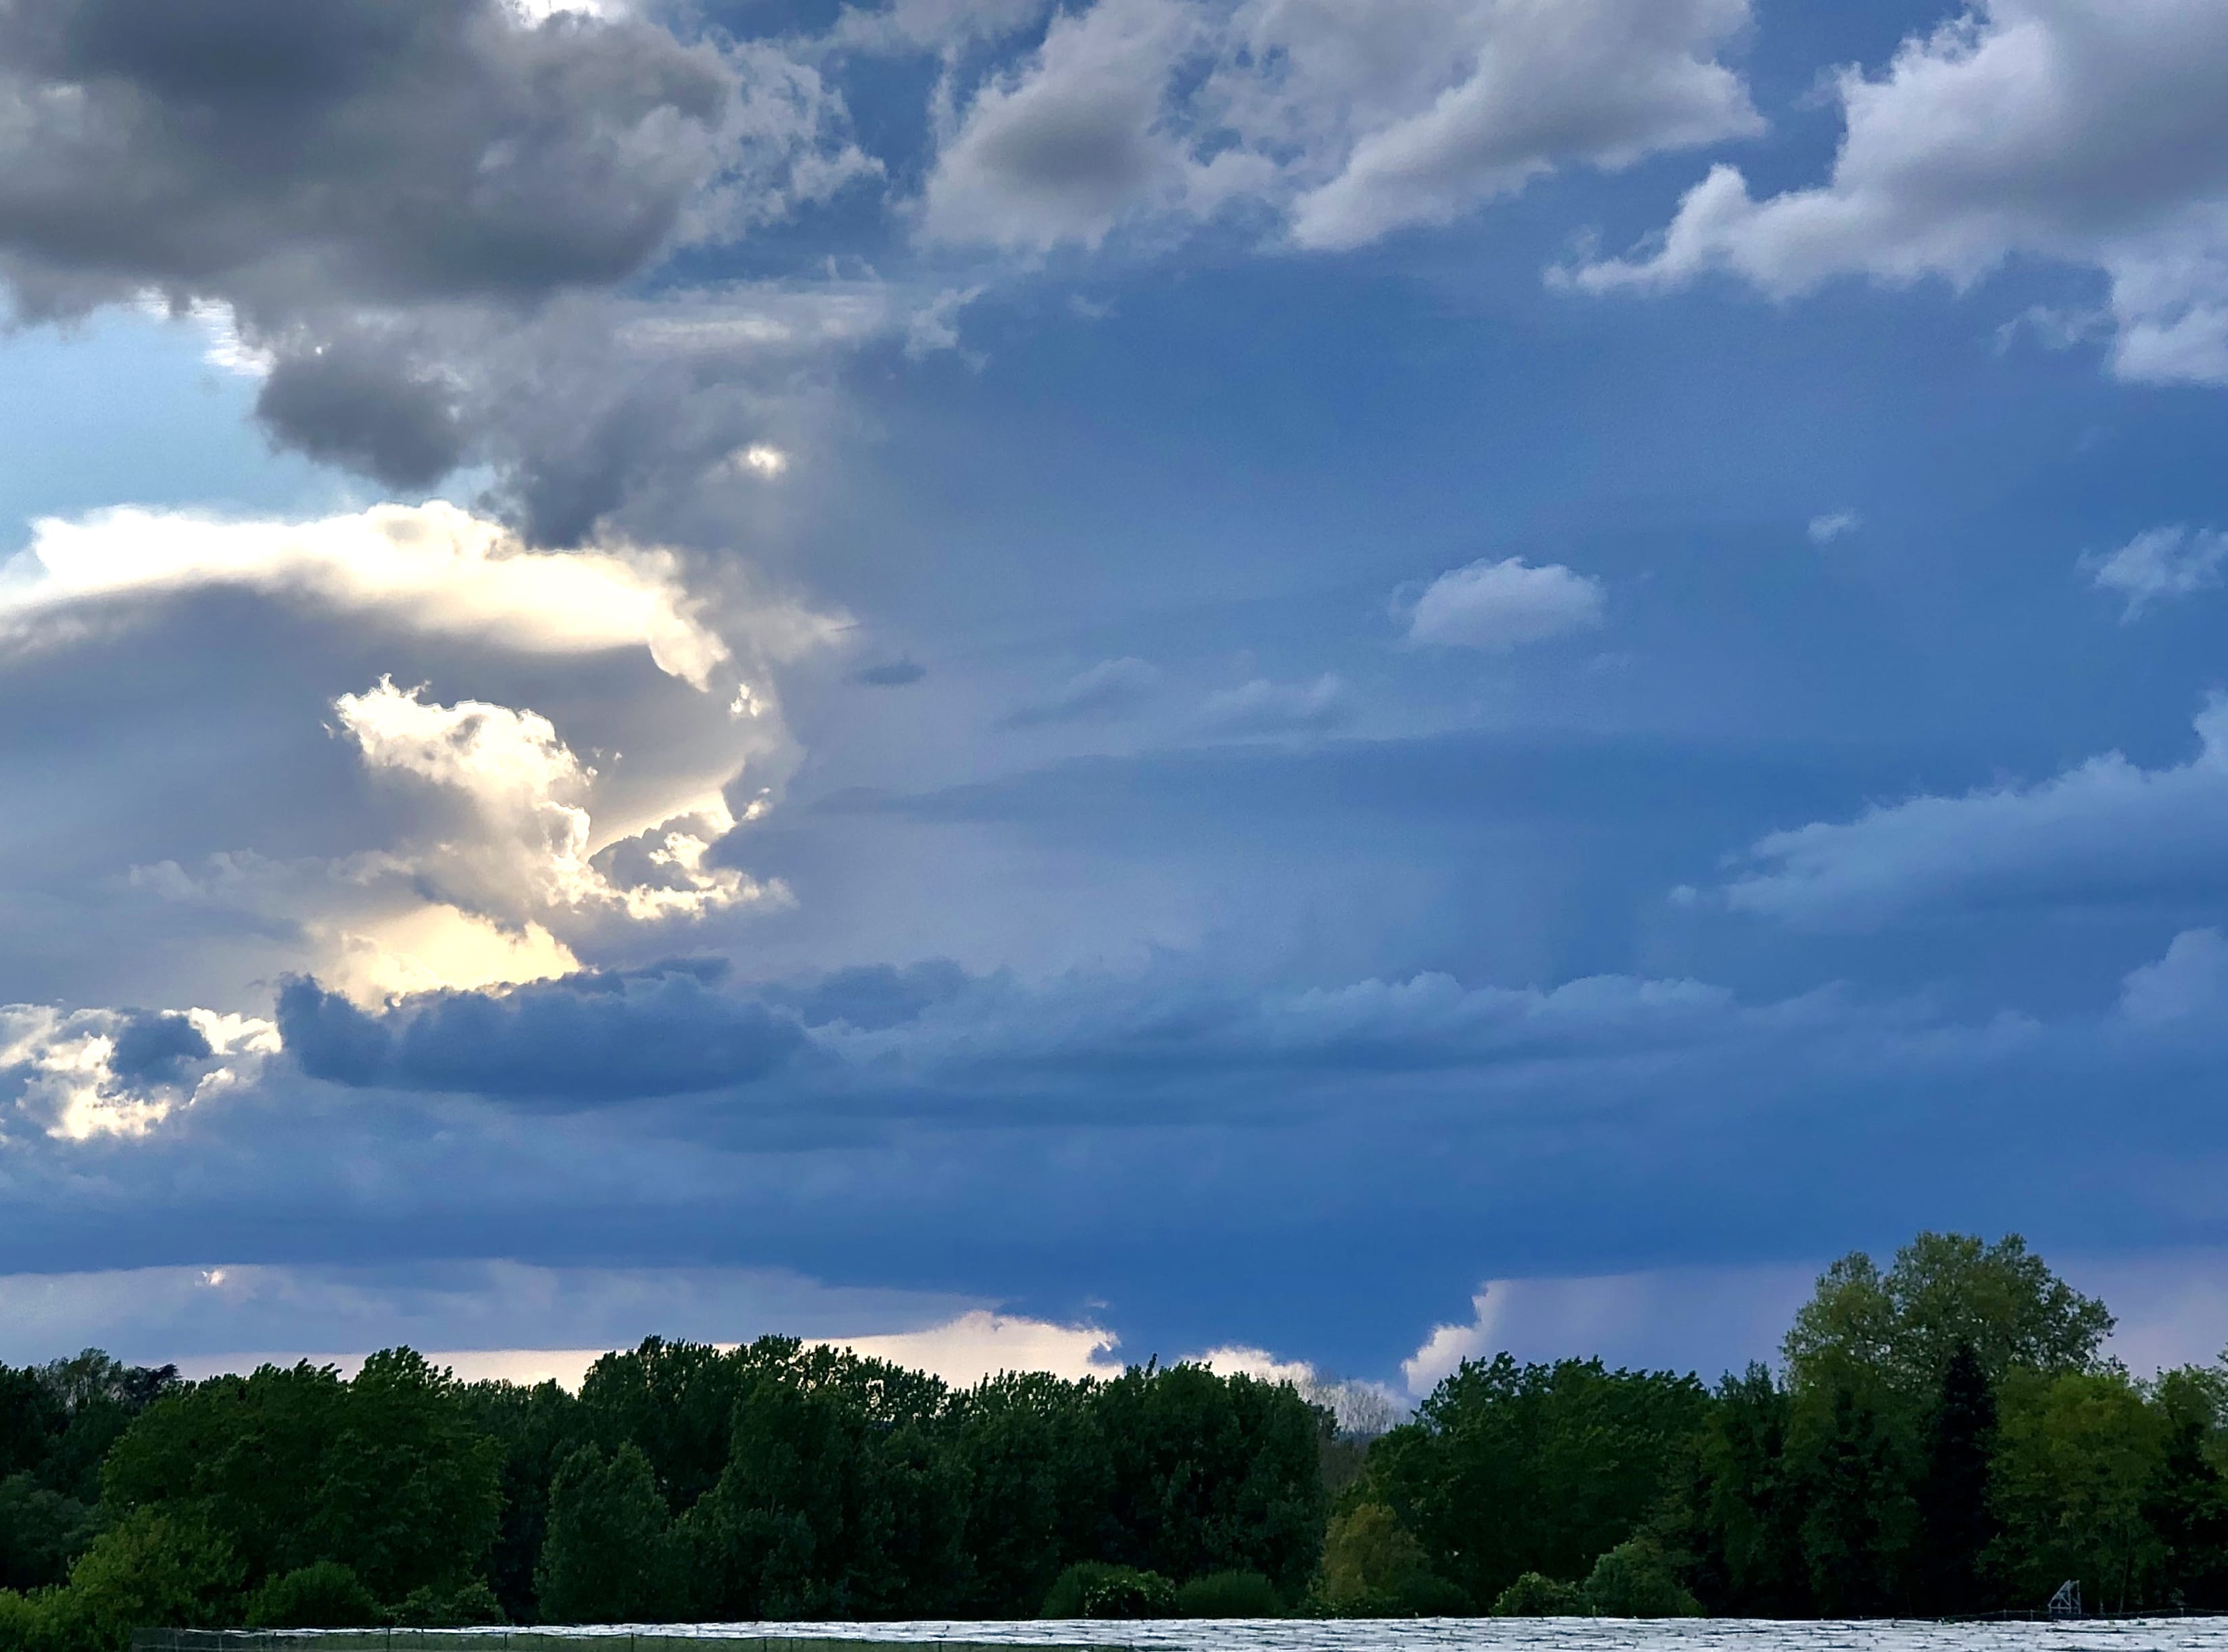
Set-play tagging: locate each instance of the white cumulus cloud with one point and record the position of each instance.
(1263, 707)
(2107, 828)
(2088, 132)
(1834, 525)
(526, 793)
(2159, 564)
(1340, 120)
(430, 568)
(1502, 606)
(2192, 979)
(79, 1074)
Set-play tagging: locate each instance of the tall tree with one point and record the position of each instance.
(1944, 1292)
(1955, 1522)
(610, 1555)
(386, 1474)
(2077, 1456)
(1512, 1468)
(534, 1430)
(1738, 1518)
(1848, 1528)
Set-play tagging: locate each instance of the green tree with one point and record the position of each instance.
(611, 1555)
(1942, 1291)
(1745, 1507)
(42, 1532)
(1855, 1502)
(535, 1429)
(152, 1569)
(1036, 1475)
(385, 1474)
(840, 1497)
(675, 1403)
(2187, 1503)
(1512, 1468)
(1208, 1473)
(1956, 1523)
(1368, 1562)
(2077, 1456)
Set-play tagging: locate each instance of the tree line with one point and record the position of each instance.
(1942, 1437)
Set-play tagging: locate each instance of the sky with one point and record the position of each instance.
(1336, 683)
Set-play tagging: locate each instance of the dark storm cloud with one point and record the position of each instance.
(872, 997)
(286, 155)
(583, 1041)
(388, 197)
(157, 1047)
(896, 674)
(353, 401)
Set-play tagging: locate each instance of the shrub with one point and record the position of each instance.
(1533, 1596)
(1229, 1594)
(1372, 1568)
(458, 1606)
(323, 1595)
(1426, 1594)
(1097, 1589)
(1635, 1579)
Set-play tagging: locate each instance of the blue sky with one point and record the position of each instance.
(1336, 682)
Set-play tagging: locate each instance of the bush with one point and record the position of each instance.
(1533, 1596)
(1097, 1589)
(458, 1606)
(1229, 1594)
(323, 1595)
(1372, 1568)
(1635, 1579)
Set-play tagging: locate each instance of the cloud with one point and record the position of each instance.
(1361, 1407)
(1109, 688)
(1448, 1346)
(1262, 707)
(892, 674)
(1840, 524)
(322, 814)
(912, 26)
(2086, 131)
(1069, 145)
(982, 1343)
(206, 1313)
(285, 159)
(522, 849)
(2106, 829)
(979, 1344)
(760, 458)
(432, 569)
(1343, 123)
(870, 997)
(82, 1074)
(2159, 564)
(411, 224)
(582, 1041)
(1704, 1319)
(1447, 105)
(1502, 606)
(2192, 979)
